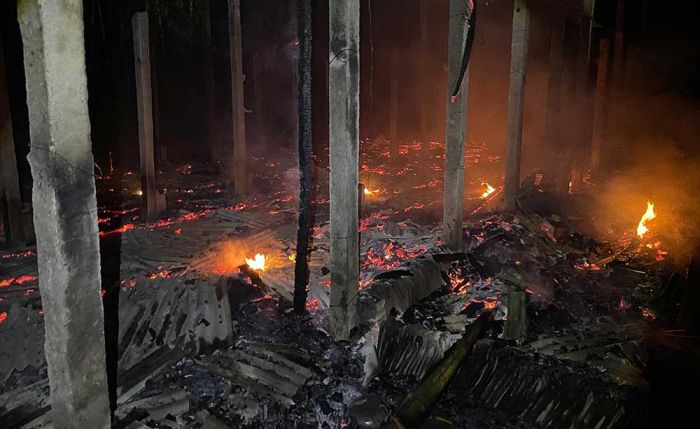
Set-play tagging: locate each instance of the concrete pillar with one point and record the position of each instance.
(394, 99)
(456, 127)
(65, 211)
(239, 169)
(516, 100)
(144, 101)
(601, 92)
(344, 128)
(10, 198)
(516, 324)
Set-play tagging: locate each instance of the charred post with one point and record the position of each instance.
(301, 267)
(516, 101)
(344, 98)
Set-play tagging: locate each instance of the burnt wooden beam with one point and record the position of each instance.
(301, 265)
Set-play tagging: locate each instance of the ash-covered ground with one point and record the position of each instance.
(196, 341)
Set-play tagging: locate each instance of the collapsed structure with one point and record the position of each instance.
(198, 328)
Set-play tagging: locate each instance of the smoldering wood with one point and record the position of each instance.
(344, 99)
(144, 100)
(65, 211)
(301, 267)
(516, 101)
(238, 168)
(455, 134)
(10, 198)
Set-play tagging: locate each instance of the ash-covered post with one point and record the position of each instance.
(455, 134)
(516, 100)
(344, 98)
(65, 211)
(239, 169)
(144, 100)
(10, 199)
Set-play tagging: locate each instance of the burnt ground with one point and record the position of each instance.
(605, 342)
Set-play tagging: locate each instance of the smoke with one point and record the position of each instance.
(653, 143)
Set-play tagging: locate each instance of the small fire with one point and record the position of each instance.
(257, 263)
(649, 215)
(489, 190)
(368, 192)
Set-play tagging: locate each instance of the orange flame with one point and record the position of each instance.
(257, 263)
(489, 190)
(649, 215)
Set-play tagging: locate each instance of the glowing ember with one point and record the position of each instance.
(257, 263)
(642, 228)
(18, 280)
(489, 190)
(3, 316)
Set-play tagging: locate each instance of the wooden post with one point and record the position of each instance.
(554, 87)
(455, 133)
(394, 99)
(516, 100)
(142, 62)
(344, 98)
(601, 92)
(10, 199)
(301, 267)
(425, 95)
(619, 62)
(239, 169)
(209, 81)
(65, 211)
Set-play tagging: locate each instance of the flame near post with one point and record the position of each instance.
(257, 263)
(649, 215)
(489, 190)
